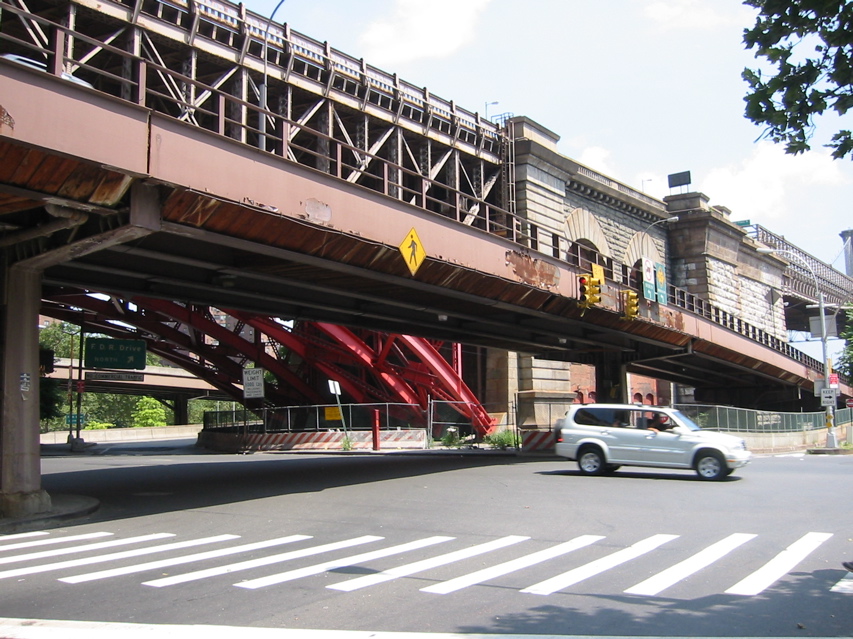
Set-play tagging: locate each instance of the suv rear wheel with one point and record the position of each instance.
(591, 461)
(710, 465)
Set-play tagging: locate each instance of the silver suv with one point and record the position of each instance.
(603, 437)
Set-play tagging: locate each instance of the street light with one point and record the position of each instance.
(831, 440)
(664, 220)
(488, 104)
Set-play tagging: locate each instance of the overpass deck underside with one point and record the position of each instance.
(164, 210)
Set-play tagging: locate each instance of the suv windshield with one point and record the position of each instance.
(686, 421)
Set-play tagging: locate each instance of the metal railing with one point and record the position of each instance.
(743, 420)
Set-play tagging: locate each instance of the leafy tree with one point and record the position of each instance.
(51, 398)
(149, 412)
(845, 361)
(810, 43)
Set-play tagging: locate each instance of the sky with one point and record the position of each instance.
(636, 89)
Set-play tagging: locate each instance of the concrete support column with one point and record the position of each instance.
(181, 409)
(611, 380)
(20, 463)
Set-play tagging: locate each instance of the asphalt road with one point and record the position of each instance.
(440, 543)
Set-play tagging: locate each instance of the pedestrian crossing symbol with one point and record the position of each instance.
(413, 251)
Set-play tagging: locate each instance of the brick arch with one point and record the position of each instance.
(582, 225)
(641, 245)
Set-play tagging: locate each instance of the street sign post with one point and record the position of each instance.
(827, 396)
(253, 383)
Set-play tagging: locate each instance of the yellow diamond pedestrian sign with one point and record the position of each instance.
(413, 251)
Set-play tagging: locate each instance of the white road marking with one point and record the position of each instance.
(85, 548)
(341, 563)
(73, 563)
(37, 533)
(845, 585)
(426, 564)
(684, 569)
(593, 568)
(201, 556)
(53, 540)
(507, 567)
(263, 561)
(779, 566)
(61, 629)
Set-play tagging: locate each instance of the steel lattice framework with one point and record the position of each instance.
(215, 345)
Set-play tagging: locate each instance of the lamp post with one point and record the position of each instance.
(831, 439)
(663, 220)
(488, 104)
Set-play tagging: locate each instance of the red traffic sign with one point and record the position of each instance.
(849, 403)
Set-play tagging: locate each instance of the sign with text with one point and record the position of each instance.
(103, 352)
(827, 397)
(649, 279)
(660, 282)
(253, 383)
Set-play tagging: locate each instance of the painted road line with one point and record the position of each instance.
(684, 569)
(845, 585)
(341, 563)
(53, 540)
(201, 556)
(73, 563)
(262, 561)
(779, 566)
(550, 586)
(426, 564)
(36, 533)
(507, 567)
(64, 629)
(85, 548)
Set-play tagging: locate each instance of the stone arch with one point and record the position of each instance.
(641, 245)
(581, 225)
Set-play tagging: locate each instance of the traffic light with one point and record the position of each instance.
(632, 304)
(589, 290)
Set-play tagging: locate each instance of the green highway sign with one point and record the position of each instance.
(114, 353)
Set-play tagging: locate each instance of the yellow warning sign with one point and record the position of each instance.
(413, 251)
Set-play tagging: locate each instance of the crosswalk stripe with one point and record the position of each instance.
(426, 564)
(53, 540)
(779, 566)
(593, 568)
(36, 533)
(341, 563)
(684, 569)
(85, 548)
(263, 561)
(845, 585)
(73, 563)
(201, 556)
(452, 585)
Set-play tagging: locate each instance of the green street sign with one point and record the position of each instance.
(114, 353)
(71, 420)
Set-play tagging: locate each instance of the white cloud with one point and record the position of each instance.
(598, 159)
(418, 30)
(766, 184)
(693, 14)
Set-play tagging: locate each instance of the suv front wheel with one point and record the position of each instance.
(591, 461)
(710, 465)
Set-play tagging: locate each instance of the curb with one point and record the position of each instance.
(62, 508)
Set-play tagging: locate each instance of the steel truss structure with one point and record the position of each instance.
(214, 65)
(215, 345)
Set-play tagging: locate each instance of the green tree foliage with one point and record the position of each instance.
(51, 398)
(845, 362)
(810, 44)
(149, 412)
